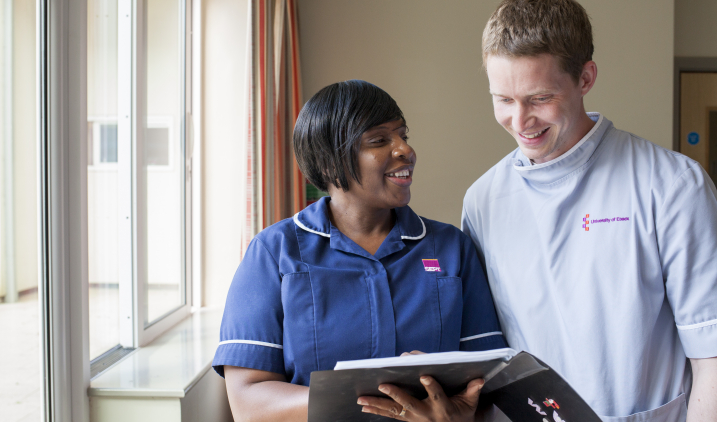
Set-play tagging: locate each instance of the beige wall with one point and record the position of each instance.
(224, 124)
(695, 28)
(426, 54)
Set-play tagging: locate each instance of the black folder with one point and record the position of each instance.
(522, 387)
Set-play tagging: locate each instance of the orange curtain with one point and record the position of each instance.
(275, 189)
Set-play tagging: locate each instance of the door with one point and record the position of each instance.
(698, 119)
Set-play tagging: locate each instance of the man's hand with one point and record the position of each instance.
(703, 399)
(436, 407)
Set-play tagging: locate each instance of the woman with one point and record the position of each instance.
(356, 275)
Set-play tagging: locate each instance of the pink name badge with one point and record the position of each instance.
(431, 265)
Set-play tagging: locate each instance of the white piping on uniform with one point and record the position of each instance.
(696, 326)
(494, 333)
(256, 343)
(298, 223)
(416, 237)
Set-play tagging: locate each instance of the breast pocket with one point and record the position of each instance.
(674, 411)
(450, 300)
(326, 317)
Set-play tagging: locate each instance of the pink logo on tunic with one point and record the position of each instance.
(431, 265)
(586, 221)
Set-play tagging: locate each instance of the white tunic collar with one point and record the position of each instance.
(567, 163)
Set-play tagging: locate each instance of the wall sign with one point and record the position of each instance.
(693, 138)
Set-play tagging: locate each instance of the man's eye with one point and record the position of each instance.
(504, 100)
(405, 138)
(542, 99)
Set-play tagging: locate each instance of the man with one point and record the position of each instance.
(599, 246)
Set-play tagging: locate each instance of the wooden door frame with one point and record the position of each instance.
(686, 65)
(708, 136)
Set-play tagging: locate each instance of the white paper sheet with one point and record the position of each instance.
(428, 359)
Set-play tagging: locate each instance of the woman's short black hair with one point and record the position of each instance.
(329, 128)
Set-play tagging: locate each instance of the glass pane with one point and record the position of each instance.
(20, 374)
(108, 143)
(163, 158)
(102, 175)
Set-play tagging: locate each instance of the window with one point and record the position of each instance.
(138, 218)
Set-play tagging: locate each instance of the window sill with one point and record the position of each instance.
(169, 366)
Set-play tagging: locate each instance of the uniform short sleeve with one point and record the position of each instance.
(251, 331)
(686, 227)
(480, 329)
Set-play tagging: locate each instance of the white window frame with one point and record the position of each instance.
(62, 212)
(62, 198)
(132, 87)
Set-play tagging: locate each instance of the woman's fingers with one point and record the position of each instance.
(470, 395)
(380, 406)
(437, 404)
(382, 412)
(434, 390)
(414, 352)
(408, 402)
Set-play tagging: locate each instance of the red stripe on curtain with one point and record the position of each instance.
(275, 187)
(262, 102)
(299, 182)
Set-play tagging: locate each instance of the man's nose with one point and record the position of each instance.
(522, 118)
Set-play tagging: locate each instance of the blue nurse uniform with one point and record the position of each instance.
(305, 296)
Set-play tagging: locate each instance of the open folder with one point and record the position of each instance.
(522, 386)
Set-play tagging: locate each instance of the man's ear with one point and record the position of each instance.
(588, 77)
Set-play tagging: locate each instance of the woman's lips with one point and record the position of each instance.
(401, 181)
(401, 178)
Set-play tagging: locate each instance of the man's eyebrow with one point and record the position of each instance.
(539, 92)
(542, 92)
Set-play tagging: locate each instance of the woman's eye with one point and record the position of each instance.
(405, 138)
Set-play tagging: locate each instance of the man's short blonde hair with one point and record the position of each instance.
(527, 28)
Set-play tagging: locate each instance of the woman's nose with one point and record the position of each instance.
(404, 151)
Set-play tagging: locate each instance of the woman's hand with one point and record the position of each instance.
(436, 407)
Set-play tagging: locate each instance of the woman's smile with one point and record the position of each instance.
(401, 176)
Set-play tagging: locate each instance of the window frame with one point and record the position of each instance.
(62, 200)
(145, 331)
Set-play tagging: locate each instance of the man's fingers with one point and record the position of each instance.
(434, 389)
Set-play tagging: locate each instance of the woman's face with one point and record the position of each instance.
(386, 164)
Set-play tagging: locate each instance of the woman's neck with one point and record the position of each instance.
(366, 226)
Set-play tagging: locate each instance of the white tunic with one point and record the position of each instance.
(602, 262)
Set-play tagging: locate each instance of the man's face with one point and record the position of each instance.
(540, 104)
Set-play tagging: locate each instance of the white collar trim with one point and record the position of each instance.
(300, 224)
(421, 236)
(569, 152)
